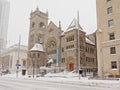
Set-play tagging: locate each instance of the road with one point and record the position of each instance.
(30, 84)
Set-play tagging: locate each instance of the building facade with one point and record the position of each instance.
(108, 37)
(61, 46)
(9, 59)
(4, 16)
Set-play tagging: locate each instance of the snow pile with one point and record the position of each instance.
(63, 74)
(15, 75)
(70, 78)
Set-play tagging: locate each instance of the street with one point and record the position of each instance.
(30, 84)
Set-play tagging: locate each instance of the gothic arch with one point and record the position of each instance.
(51, 43)
(70, 63)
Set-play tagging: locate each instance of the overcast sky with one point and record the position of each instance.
(63, 10)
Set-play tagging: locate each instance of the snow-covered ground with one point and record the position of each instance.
(71, 78)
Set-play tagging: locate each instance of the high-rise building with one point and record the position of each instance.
(108, 38)
(4, 16)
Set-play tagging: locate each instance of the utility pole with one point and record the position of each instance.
(18, 56)
(78, 45)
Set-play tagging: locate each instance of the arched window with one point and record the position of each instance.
(33, 24)
(52, 44)
(41, 24)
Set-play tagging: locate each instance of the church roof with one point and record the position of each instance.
(89, 41)
(74, 25)
(37, 47)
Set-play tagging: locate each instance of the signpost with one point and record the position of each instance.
(17, 65)
(57, 58)
(18, 57)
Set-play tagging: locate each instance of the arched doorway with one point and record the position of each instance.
(70, 63)
(71, 66)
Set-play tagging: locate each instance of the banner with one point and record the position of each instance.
(57, 56)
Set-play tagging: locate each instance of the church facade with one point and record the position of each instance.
(67, 48)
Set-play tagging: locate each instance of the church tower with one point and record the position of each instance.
(36, 54)
(38, 24)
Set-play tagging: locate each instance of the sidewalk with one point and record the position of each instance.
(72, 79)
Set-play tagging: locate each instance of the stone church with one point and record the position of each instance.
(69, 49)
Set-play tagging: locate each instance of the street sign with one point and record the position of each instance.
(18, 65)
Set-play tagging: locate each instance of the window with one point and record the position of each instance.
(33, 24)
(112, 50)
(109, 10)
(111, 36)
(51, 30)
(110, 23)
(24, 63)
(113, 64)
(41, 24)
(51, 44)
(62, 49)
(70, 46)
(70, 38)
(109, 0)
(63, 60)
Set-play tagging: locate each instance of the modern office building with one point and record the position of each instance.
(108, 38)
(4, 16)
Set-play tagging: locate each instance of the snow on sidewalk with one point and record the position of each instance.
(71, 78)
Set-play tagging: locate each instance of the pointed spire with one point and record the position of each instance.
(74, 25)
(59, 24)
(37, 8)
(31, 12)
(47, 12)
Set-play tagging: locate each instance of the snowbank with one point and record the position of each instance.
(71, 78)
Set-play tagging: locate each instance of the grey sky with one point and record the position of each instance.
(63, 10)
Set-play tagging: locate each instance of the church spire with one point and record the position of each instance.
(59, 24)
(47, 12)
(37, 8)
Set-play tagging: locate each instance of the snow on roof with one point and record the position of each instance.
(62, 33)
(50, 61)
(89, 41)
(37, 47)
(99, 30)
(45, 68)
(74, 25)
